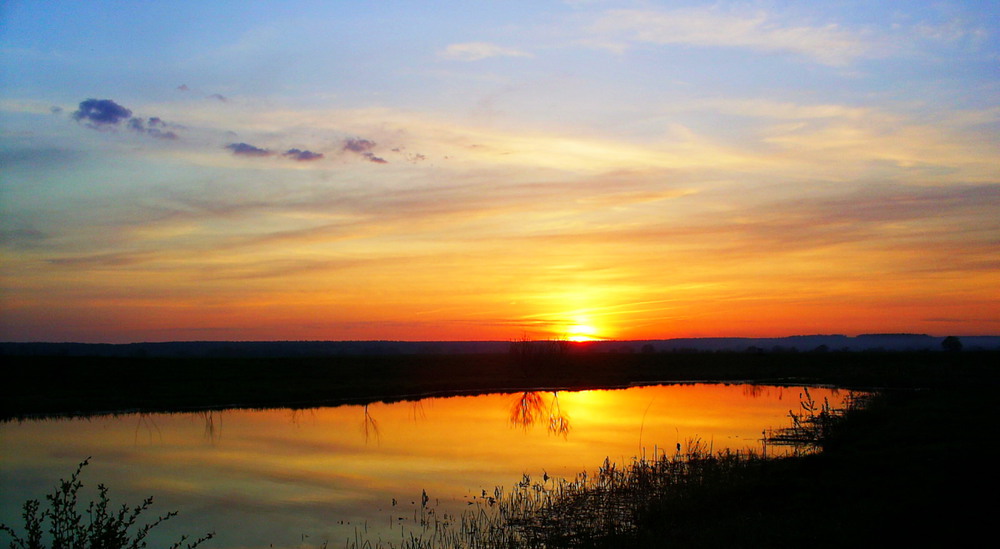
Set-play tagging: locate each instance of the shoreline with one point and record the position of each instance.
(40, 387)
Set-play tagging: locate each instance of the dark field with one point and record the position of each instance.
(86, 385)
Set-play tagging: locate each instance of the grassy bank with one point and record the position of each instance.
(71, 385)
(913, 469)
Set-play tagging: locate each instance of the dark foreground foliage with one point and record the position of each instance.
(100, 527)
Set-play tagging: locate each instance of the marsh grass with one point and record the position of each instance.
(608, 503)
(100, 527)
(813, 422)
(608, 506)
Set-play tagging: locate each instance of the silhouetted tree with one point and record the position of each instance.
(952, 344)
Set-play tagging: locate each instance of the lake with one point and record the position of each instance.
(299, 478)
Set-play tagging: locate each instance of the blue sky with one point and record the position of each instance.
(476, 170)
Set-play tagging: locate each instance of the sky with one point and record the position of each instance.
(497, 170)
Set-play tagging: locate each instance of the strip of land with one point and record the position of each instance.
(55, 386)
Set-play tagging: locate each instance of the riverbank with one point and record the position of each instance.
(914, 469)
(57, 386)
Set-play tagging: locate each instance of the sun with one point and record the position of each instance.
(581, 332)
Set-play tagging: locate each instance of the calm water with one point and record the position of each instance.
(299, 478)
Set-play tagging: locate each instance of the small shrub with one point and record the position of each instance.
(101, 527)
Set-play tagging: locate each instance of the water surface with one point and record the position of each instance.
(301, 477)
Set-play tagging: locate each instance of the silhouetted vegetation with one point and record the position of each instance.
(88, 385)
(102, 527)
(951, 344)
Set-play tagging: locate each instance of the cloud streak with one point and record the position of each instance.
(477, 51)
(712, 27)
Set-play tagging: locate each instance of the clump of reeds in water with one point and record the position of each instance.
(812, 422)
(549, 512)
(612, 502)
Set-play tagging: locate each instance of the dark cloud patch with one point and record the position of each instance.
(364, 148)
(115, 259)
(101, 113)
(22, 238)
(358, 145)
(219, 96)
(245, 149)
(55, 109)
(183, 88)
(38, 160)
(160, 134)
(302, 156)
(151, 127)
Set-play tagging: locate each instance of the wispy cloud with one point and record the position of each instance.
(712, 27)
(475, 51)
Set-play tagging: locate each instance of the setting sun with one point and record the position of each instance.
(581, 332)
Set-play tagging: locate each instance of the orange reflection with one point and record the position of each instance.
(529, 408)
(307, 471)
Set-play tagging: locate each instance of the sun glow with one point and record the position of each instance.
(581, 332)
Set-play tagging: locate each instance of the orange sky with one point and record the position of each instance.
(654, 171)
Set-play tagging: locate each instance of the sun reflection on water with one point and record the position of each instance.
(268, 476)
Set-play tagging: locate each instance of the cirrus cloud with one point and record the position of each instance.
(711, 27)
(474, 51)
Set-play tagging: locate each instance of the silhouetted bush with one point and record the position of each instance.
(951, 344)
(103, 529)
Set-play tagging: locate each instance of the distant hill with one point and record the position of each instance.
(803, 343)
